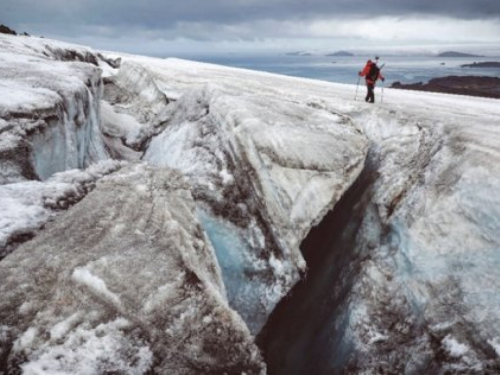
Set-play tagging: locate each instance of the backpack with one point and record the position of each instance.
(374, 72)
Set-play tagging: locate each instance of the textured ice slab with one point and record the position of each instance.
(25, 207)
(49, 110)
(120, 130)
(124, 282)
(269, 167)
(437, 269)
(133, 104)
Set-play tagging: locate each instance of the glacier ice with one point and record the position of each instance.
(51, 115)
(25, 207)
(247, 278)
(406, 282)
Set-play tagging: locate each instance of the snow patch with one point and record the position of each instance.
(89, 351)
(227, 178)
(25, 342)
(495, 344)
(377, 337)
(62, 328)
(453, 347)
(84, 277)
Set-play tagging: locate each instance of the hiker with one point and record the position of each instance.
(371, 72)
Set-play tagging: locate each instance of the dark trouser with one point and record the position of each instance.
(370, 95)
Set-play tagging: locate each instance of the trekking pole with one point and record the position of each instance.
(355, 95)
(382, 96)
(383, 84)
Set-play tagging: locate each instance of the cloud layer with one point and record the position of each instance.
(254, 20)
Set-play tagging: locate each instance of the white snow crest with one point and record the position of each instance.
(453, 347)
(227, 178)
(21, 209)
(62, 328)
(495, 344)
(26, 341)
(89, 351)
(83, 276)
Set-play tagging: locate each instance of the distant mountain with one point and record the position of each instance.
(298, 53)
(340, 53)
(456, 54)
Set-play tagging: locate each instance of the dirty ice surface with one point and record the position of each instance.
(132, 288)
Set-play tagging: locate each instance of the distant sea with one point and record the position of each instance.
(345, 69)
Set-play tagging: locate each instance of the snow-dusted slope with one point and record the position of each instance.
(255, 199)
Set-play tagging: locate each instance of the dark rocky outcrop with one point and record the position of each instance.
(485, 64)
(6, 30)
(488, 87)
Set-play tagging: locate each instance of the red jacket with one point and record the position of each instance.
(366, 70)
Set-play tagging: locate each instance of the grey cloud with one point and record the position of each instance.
(165, 15)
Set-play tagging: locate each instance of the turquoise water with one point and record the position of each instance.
(344, 69)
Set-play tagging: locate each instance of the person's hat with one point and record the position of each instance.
(376, 57)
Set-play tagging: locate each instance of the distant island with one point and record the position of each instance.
(456, 54)
(488, 87)
(298, 53)
(340, 53)
(486, 64)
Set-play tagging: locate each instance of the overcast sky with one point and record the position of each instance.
(167, 27)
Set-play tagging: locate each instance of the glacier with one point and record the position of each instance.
(168, 216)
